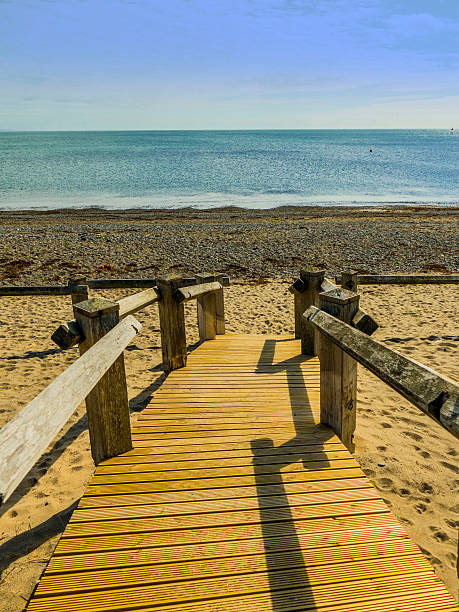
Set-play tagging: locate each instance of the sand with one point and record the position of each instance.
(420, 476)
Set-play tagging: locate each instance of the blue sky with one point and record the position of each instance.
(235, 64)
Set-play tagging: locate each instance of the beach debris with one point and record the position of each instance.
(105, 267)
(381, 464)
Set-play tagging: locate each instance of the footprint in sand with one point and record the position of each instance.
(385, 483)
(424, 454)
(386, 425)
(404, 492)
(420, 508)
(450, 466)
(451, 452)
(425, 487)
(440, 536)
(382, 448)
(415, 436)
(451, 560)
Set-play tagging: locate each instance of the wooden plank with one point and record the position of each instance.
(138, 301)
(24, 439)
(405, 279)
(240, 567)
(328, 530)
(43, 290)
(186, 294)
(356, 544)
(121, 283)
(161, 594)
(226, 493)
(220, 482)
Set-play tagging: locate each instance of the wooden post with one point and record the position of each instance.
(349, 280)
(78, 297)
(338, 371)
(220, 306)
(308, 295)
(107, 404)
(207, 310)
(172, 323)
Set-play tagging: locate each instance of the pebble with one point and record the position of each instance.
(246, 244)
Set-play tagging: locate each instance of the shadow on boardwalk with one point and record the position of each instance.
(284, 558)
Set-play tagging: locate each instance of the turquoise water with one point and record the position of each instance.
(206, 169)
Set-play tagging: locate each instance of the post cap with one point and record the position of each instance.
(339, 296)
(76, 280)
(311, 272)
(168, 279)
(95, 307)
(349, 272)
(206, 277)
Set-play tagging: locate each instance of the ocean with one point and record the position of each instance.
(210, 169)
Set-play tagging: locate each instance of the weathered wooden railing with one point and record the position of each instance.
(99, 376)
(103, 329)
(78, 287)
(399, 279)
(340, 346)
(171, 292)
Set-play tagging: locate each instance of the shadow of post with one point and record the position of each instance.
(284, 553)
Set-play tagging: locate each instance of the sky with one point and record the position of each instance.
(228, 64)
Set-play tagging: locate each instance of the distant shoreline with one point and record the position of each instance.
(50, 246)
(218, 210)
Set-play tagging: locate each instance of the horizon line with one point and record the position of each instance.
(9, 130)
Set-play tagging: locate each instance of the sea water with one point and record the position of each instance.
(209, 169)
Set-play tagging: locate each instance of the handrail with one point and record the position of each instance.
(404, 279)
(428, 390)
(70, 334)
(186, 294)
(24, 439)
(132, 303)
(94, 283)
(18, 290)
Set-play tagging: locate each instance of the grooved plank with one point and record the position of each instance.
(347, 484)
(157, 594)
(324, 528)
(357, 542)
(220, 472)
(283, 563)
(222, 482)
(218, 519)
(143, 464)
(234, 498)
(150, 454)
(228, 505)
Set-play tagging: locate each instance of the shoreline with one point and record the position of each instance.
(251, 245)
(394, 205)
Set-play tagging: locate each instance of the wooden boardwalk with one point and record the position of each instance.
(235, 499)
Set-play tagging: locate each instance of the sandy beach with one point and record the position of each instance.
(262, 251)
